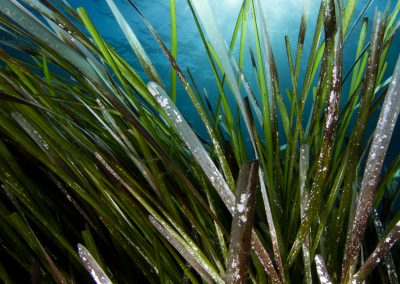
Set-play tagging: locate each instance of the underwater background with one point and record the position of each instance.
(283, 18)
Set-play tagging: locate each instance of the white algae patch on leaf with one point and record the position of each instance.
(242, 223)
(92, 266)
(241, 207)
(321, 270)
(194, 145)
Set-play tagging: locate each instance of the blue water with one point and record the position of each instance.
(283, 18)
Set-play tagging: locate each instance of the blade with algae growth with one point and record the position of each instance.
(91, 265)
(383, 133)
(194, 145)
(239, 248)
(321, 270)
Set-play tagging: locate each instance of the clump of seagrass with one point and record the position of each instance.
(103, 179)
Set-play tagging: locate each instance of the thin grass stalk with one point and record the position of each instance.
(264, 258)
(273, 89)
(205, 15)
(265, 102)
(206, 104)
(333, 57)
(238, 24)
(362, 13)
(174, 47)
(268, 192)
(220, 234)
(105, 51)
(304, 167)
(312, 61)
(252, 99)
(243, 19)
(348, 14)
(300, 40)
(359, 59)
(135, 44)
(384, 183)
(392, 19)
(90, 244)
(290, 154)
(313, 131)
(133, 79)
(271, 80)
(269, 109)
(298, 104)
(285, 121)
(329, 205)
(267, 207)
(294, 72)
(389, 262)
(357, 68)
(222, 100)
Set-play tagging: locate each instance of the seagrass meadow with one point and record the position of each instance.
(105, 179)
